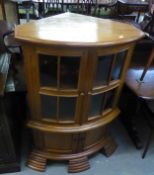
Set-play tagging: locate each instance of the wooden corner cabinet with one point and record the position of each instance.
(75, 68)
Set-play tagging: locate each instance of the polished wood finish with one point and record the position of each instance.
(109, 147)
(36, 162)
(78, 164)
(70, 29)
(74, 48)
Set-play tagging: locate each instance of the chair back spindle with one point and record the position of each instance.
(53, 7)
(150, 60)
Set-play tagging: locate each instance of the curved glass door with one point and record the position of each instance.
(109, 68)
(59, 79)
(59, 72)
(107, 75)
(100, 104)
(58, 109)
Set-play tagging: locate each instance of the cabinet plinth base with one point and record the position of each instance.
(77, 161)
(78, 164)
(109, 147)
(37, 162)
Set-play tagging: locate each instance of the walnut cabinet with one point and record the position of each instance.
(75, 71)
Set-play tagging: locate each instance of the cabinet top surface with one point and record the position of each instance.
(75, 29)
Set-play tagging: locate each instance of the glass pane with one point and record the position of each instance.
(49, 106)
(69, 72)
(109, 99)
(67, 108)
(96, 105)
(48, 70)
(118, 65)
(103, 68)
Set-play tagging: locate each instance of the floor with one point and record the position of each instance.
(126, 160)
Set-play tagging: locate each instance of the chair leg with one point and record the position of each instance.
(147, 143)
(131, 128)
(129, 115)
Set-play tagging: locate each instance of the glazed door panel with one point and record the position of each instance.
(58, 88)
(106, 73)
(58, 109)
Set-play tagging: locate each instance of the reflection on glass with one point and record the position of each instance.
(109, 99)
(69, 72)
(96, 105)
(67, 108)
(118, 65)
(48, 70)
(48, 106)
(103, 69)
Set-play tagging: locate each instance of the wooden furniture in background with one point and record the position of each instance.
(10, 108)
(75, 69)
(25, 9)
(3, 9)
(53, 7)
(139, 80)
(8, 11)
(87, 7)
(141, 52)
(107, 9)
(149, 19)
(132, 9)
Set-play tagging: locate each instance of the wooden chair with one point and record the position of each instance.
(139, 80)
